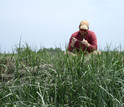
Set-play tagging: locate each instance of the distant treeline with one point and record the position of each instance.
(50, 50)
(25, 49)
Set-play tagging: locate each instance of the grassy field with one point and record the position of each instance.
(52, 79)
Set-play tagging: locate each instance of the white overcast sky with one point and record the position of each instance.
(50, 23)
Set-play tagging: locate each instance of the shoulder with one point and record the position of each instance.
(75, 34)
(91, 33)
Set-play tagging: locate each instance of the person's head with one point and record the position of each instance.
(83, 27)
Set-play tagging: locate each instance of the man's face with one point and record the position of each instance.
(83, 31)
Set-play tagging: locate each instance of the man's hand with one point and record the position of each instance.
(85, 42)
(73, 41)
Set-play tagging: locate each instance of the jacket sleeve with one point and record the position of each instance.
(92, 42)
(76, 45)
(69, 45)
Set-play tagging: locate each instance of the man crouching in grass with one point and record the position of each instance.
(83, 40)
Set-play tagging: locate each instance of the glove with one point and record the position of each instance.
(85, 42)
(73, 41)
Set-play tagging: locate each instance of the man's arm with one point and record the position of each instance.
(93, 43)
(72, 42)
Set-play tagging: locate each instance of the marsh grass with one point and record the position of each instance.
(52, 79)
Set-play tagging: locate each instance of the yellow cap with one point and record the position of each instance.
(84, 25)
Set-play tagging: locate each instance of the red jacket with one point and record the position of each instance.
(90, 37)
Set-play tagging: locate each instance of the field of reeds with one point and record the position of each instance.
(48, 78)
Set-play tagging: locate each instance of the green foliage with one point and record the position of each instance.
(48, 77)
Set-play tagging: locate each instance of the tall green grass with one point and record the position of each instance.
(52, 79)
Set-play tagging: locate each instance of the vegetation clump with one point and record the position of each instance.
(50, 78)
